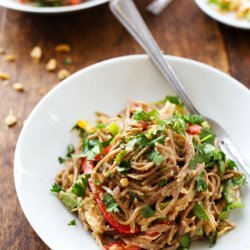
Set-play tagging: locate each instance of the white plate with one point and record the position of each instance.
(106, 87)
(226, 18)
(15, 5)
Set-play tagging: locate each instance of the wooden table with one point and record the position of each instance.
(94, 35)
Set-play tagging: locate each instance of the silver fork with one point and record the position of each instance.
(157, 6)
(127, 13)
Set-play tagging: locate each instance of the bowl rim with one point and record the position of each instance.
(92, 67)
(50, 10)
(219, 17)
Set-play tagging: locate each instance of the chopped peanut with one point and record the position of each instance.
(10, 120)
(64, 48)
(18, 87)
(51, 65)
(4, 76)
(10, 58)
(62, 74)
(124, 182)
(36, 53)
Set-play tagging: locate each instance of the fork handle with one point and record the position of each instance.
(127, 13)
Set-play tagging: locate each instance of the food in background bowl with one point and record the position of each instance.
(54, 3)
(241, 7)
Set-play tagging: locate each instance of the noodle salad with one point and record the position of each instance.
(150, 178)
(241, 7)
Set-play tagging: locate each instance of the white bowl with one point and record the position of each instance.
(228, 18)
(15, 5)
(106, 87)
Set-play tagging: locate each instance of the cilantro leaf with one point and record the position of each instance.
(163, 183)
(101, 126)
(185, 241)
(231, 164)
(124, 167)
(213, 238)
(147, 212)
(200, 212)
(201, 185)
(141, 115)
(79, 188)
(72, 223)
(56, 188)
(110, 203)
(91, 148)
(131, 143)
(193, 119)
(155, 157)
(173, 99)
(70, 150)
(132, 196)
(239, 180)
(61, 160)
(207, 135)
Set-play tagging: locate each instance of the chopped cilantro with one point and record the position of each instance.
(56, 188)
(213, 238)
(231, 164)
(239, 180)
(79, 188)
(173, 99)
(201, 184)
(96, 182)
(110, 203)
(132, 196)
(101, 126)
(200, 212)
(91, 148)
(124, 167)
(70, 150)
(193, 119)
(185, 241)
(147, 212)
(207, 135)
(72, 223)
(131, 143)
(163, 183)
(155, 157)
(141, 115)
(61, 160)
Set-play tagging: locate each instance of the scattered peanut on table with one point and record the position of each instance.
(36, 53)
(62, 74)
(10, 119)
(51, 64)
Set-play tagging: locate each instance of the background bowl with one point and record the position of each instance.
(15, 5)
(106, 87)
(228, 18)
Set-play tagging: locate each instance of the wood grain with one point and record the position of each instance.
(94, 35)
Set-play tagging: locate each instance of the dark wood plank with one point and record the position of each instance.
(237, 42)
(94, 35)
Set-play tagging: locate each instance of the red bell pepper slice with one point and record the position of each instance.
(194, 129)
(88, 167)
(144, 124)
